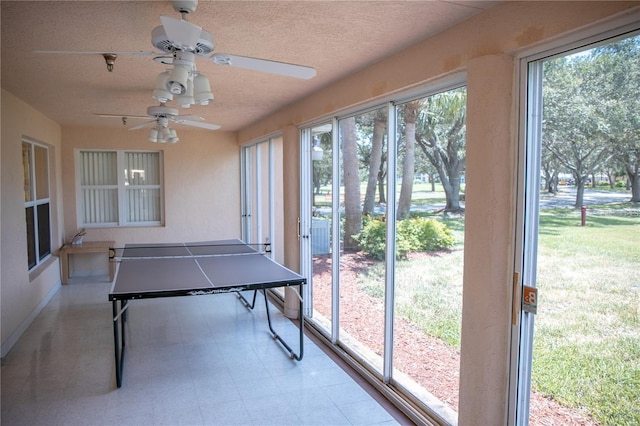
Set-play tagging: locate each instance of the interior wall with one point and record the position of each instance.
(23, 294)
(201, 185)
(483, 47)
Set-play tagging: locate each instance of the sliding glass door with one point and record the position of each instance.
(381, 240)
(262, 194)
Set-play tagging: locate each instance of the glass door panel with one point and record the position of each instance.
(362, 198)
(431, 152)
(321, 224)
(581, 363)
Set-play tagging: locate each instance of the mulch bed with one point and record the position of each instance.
(427, 360)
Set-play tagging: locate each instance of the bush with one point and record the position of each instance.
(419, 234)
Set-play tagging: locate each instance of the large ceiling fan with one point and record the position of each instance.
(181, 41)
(159, 119)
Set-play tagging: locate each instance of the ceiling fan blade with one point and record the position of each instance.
(177, 118)
(197, 124)
(146, 117)
(142, 126)
(183, 34)
(82, 52)
(264, 65)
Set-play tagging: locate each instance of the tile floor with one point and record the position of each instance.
(189, 361)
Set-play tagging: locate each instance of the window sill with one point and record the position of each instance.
(35, 272)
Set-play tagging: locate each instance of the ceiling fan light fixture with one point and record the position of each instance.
(160, 93)
(186, 99)
(173, 138)
(202, 90)
(153, 135)
(178, 78)
(166, 134)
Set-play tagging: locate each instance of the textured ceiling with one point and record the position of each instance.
(335, 37)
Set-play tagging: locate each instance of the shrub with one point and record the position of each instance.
(372, 237)
(418, 234)
(431, 234)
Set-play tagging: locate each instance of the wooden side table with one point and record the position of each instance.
(85, 247)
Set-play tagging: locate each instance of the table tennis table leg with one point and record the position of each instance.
(245, 302)
(119, 319)
(275, 335)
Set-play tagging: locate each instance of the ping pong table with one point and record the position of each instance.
(191, 269)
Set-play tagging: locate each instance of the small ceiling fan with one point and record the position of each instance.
(159, 119)
(180, 41)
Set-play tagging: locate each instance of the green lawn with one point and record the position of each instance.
(587, 330)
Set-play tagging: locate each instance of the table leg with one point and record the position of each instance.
(119, 319)
(245, 302)
(275, 335)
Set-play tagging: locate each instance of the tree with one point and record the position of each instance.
(574, 129)
(322, 168)
(591, 112)
(617, 68)
(351, 177)
(551, 170)
(375, 161)
(441, 135)
(411, 110)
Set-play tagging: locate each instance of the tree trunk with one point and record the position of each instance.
(579, 194)
(379, 126)
(634, 179)
(352, 212)
(452, 192)
(382, 193)
(408, 163)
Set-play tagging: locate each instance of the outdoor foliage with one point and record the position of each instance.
(591, 120)
(418, 234)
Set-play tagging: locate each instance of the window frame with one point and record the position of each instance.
(438, 412)
(121, 188)
(36, 203)
(529, 76)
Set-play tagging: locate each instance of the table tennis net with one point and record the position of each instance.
(187, 250)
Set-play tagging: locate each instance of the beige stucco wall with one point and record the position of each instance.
(202, 200)
(485, 49)
(201, 178)
(22, 294)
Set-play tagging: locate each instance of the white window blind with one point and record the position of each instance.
(99, 187)
(143, 186)
(120, 188)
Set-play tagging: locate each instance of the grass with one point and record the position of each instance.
(587, 332)
(428, 293)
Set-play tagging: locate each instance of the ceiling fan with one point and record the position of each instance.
(181, 41)
(159, 119)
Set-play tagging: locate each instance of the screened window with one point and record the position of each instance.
(35, 162)
(120, 188)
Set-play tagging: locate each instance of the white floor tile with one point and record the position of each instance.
(188, 361)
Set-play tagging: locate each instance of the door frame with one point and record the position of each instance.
(529, 100)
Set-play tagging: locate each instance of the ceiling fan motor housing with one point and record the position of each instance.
(161, 111)
(160, 40)
(185, 6)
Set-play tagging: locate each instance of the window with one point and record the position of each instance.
(35, 162)
(390, 180)
(119, 188)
